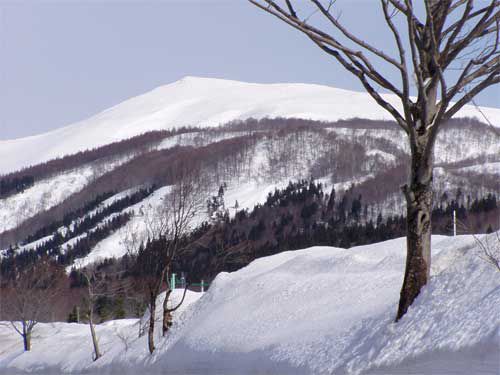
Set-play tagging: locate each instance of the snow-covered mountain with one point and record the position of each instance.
(194, 101)
(318, 310)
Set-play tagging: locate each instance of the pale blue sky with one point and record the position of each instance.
(63, 61)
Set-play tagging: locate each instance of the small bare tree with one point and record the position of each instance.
(168, 226)
(124, 338)
(97, 285)
(489, 249)
(95, 282)
(444, 34)
(488, 245)
(30, 297)
(133, 239)
(184, 202)
(149, 268)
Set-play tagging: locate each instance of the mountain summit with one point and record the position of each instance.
(196, 101)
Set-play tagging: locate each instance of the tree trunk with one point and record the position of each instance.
(167, 314)
(151, 330)
(26, 339)
(419, 208)
(97, 353)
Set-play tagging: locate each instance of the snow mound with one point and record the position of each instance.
(194, 101)
(332, 310)
(67, 347)
(321, 310)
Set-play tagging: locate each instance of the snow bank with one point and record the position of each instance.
(332, 310)
(318, 310)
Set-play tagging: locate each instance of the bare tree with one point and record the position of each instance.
(94, 282)
(97, 285)
(131, 237)
(448, 32)
(30, 297)
(489, 249)
(183, 204)
(124, 338)
(149, 268)
(133, 240)
(168, 226)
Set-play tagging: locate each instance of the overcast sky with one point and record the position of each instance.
(64, 61)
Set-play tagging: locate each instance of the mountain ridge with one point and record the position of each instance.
(197, 101)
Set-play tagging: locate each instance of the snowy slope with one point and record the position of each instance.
(114, 246)
(249, 188)
(49, 192)
(319, 310)
(248, 194)
(199, 101)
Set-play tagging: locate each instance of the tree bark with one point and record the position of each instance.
(97, 353)
(151, 330)
(167, 314)
(26, 338)
(419, 208)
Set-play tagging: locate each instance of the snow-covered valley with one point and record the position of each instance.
(319, 310)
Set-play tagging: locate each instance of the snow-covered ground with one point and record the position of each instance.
(195, 101)
(318, 310)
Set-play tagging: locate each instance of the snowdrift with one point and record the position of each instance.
(318, 310)
(195, 101)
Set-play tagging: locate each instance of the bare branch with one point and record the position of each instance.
(355, 39)
(355, 61)
(373, 93)
(492, 79)
(454, 6)
(453, 48)
(490, 253)
(412, 37)
(291, 10)
(468, 77)
(402, 53)
(182, 300)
